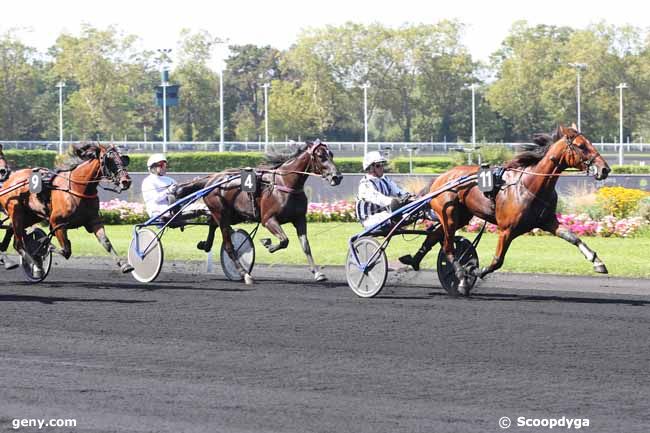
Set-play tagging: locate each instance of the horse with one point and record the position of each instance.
(5, 171)
(68, 200)
(280, 199)
(526, 200)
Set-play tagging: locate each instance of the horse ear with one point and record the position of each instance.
(561, 130)
(573, 125)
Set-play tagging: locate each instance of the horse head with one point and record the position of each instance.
(5, 171)
(114, 167)
(578, 152)
(323, 162)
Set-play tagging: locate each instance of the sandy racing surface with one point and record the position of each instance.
(196, 353)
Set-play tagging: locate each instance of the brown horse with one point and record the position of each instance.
(68, 199)
(527, 198)
(5, 171)
(280, 199)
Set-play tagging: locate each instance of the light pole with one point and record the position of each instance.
(221, 68)
(164, 83)
(365, 86)
(579, 67)
(266, 116)
(473, 87)
(221, 145)
(620, 87)
(60, 85)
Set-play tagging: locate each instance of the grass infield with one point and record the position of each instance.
(329, 244)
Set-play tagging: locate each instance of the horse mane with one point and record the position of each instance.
(78, 153)
(276, 159)
(531, 154)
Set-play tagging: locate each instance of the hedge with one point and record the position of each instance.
(30, 158)
(201, 161)
(631, 169)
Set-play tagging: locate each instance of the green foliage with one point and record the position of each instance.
(427, 164)
(201, 161)
(30, 158)
(630, 169)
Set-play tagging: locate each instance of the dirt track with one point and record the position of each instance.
(196, 353)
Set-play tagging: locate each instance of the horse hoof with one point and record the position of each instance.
(248, 280)
(266, 242)
(9, 264)
(601, 268)
(319, 276)
(37, 272)
(203, 246)
(126, 268)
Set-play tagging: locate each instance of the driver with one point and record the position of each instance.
(155, 187)
(378, 196)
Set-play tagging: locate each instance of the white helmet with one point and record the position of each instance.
(371, 158)
(155, 159)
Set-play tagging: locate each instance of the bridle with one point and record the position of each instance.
(112, 155)
(571, 146)
(4, 171)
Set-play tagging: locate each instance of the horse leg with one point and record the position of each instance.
(226, 230)
(274, 227)
(61, 234)
(449, 226)
(206, 245)
(8, 263)
(100, 234)
(566, 234)
(19, 245)
(301, 230)
(505, 239)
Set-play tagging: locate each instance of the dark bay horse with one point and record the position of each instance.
(68, 199)
(5, 171)
(526, 200)
(280, 199)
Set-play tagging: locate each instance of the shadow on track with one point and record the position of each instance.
(160, 284)
(53, 299)
(502, 297)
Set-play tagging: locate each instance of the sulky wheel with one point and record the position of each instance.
(466, 253)
(367, 282)
(146, 255)
(37, 245)
(245, 251)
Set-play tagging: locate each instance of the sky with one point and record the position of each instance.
(279, 22)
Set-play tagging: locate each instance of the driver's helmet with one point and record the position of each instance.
(155, 159)
(371, 158)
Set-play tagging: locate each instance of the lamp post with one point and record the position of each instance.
(164, 83)
(579, 67)
(620, 87)
(220, 68)
(473, 87)
(60, 85)
(266, 116)
(365, 86)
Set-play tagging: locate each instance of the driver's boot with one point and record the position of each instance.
(7, 262)
(414, 261)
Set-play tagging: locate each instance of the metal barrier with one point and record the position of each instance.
(341, 148)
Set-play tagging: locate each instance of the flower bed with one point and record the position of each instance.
(121, 212)
(581, 225)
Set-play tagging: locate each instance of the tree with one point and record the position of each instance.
(22, 81)
(107, 81)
